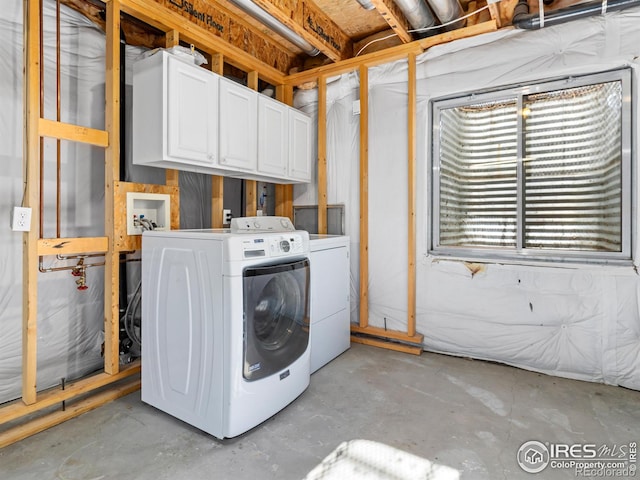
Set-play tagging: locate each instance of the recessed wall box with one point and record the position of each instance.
(148, 211)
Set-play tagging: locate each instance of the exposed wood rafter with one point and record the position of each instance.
(394, 17)
(308, 21)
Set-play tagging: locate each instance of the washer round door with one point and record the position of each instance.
(276, 317)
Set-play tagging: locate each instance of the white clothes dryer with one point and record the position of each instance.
(225, 325)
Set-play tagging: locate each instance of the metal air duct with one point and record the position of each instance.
(448, 11)
(522, 18)
(417, 14)
(366, 4)
(274, 24)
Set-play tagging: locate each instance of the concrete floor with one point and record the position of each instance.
(470, 415)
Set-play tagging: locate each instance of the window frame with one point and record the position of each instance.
(520, 253)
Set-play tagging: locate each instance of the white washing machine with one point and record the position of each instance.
(225, 325)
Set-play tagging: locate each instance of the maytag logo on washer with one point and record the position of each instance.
(533, 456)
(254, 367)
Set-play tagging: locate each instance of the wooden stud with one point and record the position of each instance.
(394, 17)
(217, 181)
(172, 177)
(495, 14)
(411, 187)
(251, 186)
(73, 410)
(364, 196)
(322, 155)
(390, 54)
(217, 63)
(111, 175)
(312, 24)
(284, 94)
(74, 133)
(32, 199)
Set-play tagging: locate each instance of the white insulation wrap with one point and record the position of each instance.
(575, 321)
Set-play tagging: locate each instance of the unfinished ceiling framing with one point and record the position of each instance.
(333, 30)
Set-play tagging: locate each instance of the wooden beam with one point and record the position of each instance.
(311, 23)
(172, 39)
(284, 207)
(217, 181)
(71, 411)
(73, 133)
(31, 162)
(72, 246)
(251, 186)
(56, 395)
(494, 9)
(112, 175)
(398, 347)
(389, 55)
(394, 17)
(392, 334)
(364, 196)
(214, 29)
(411, 188)
(322, 155)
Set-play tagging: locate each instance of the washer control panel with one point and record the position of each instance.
(285, 244)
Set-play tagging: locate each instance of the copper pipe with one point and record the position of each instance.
(41, 219)
(58, 179)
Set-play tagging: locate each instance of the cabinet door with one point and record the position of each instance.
(273, 137)
(238, 126)
(192, 95)
(299, 146)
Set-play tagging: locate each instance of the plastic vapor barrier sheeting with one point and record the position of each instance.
(576, 321)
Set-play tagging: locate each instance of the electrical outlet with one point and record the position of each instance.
(226, 216)
(21, 220)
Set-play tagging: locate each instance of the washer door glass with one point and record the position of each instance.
(276, 317)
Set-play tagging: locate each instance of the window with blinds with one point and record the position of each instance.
(538, 171)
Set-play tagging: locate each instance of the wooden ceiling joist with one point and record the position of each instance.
(214, 30)
(394, 17)
(390, 54)
(308, 21)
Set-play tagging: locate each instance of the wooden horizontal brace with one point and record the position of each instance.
(73, 133)
(165, 18)
(68, 246)
(392, 334)
(398, 347)
(390, 54)
(55, 395)
(76, 409)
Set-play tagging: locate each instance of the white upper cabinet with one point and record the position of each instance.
(188, 118)
(192, 116)
(273, 137)
(238, 126)
(299, 146)
(175, 118)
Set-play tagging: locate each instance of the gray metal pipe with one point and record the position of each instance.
(274, 24)
(522, 19)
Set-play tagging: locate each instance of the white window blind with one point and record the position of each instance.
(541, 171)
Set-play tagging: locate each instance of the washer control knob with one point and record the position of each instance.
(285, 246)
